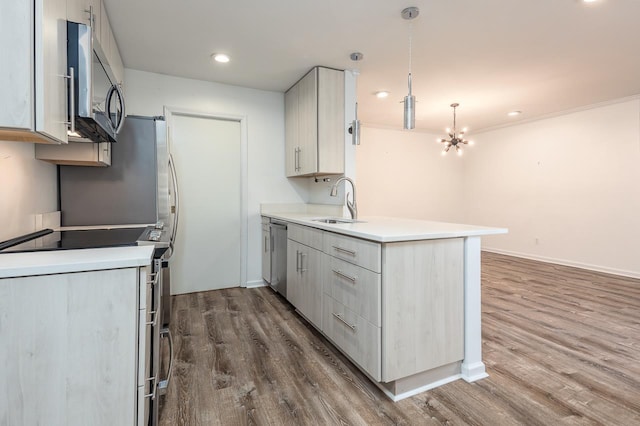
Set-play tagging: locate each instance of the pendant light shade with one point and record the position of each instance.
(409, 14)
(409, 109)
(354, 129)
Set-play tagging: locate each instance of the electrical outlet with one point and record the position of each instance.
(537, 240)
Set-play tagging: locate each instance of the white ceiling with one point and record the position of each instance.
(491, 56)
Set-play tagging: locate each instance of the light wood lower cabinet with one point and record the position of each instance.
(70, 351)
(266, 252)
(422, 305)
(396, 309)
(356, 336)
(304, 280)
(355, 287)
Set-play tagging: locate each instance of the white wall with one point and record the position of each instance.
(402, 174)
(29, 187)
(148, 93)
(566, 187)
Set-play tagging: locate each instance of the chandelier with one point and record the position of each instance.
(455, 139)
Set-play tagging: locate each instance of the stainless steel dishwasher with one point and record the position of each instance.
(279, 257)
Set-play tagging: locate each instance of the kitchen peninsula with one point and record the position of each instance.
(399, 297)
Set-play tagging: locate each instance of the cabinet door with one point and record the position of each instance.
(16, 73)
(115, 60)
(331, 123)
(105, 32)
(68, 348)
(294, 290)
(78, 11)
(51, 68)
(76, 154)
(266, 253)
(311, 278)
(422, 305)
(308, 123)
(291, 131)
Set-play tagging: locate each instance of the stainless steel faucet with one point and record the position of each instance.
(353, 208)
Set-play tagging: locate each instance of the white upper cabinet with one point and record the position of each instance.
(315, 124)
(79, 11)
(33, 83)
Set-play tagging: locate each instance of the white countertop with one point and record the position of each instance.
(390, 229)
(63, 261)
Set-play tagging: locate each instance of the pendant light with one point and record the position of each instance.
(355, 124)
(455, 139)
(409, 14)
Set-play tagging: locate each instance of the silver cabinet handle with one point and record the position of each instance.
(345, 276)
(352, 327)
(265, 243)
(71, 99)
(297, 261)
(297, 159)
(342, 250)
(302, 268)
(164, 384)
(92, 18)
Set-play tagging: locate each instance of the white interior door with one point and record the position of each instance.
(207, 156)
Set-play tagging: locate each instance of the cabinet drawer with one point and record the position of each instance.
(305, 235)
(355, 287)
(354, 335)
(354, 250)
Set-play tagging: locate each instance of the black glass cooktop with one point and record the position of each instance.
(79, 239)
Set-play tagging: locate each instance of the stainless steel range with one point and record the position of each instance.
(156, 235)
(112, 207)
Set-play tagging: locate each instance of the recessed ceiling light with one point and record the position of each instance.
(589, 1)
(220, 57)
(514, 113)
(382, 94)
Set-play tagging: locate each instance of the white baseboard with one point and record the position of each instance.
(473, 372)
(255, 284)
(597, 268)
(413, 392)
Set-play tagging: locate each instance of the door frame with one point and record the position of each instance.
(169, 113)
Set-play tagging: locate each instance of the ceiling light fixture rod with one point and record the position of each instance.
(409, 14)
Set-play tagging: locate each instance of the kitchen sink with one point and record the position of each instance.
(336, 220)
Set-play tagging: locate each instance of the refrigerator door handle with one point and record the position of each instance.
(176, 201)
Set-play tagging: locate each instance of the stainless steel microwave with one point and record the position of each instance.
(96, 103)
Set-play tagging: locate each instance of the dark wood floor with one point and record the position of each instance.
(562, 346)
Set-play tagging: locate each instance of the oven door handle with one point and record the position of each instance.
(164, 384)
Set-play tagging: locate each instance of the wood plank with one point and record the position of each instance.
(561, 347)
